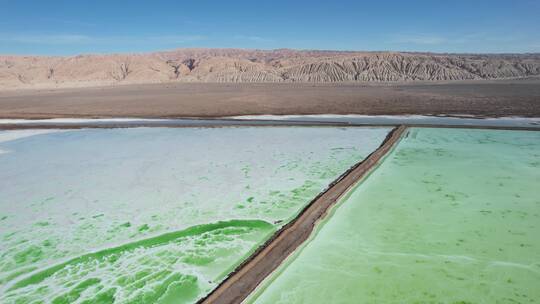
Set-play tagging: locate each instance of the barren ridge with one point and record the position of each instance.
(235, 65)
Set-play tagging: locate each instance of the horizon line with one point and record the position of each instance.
(263, 50)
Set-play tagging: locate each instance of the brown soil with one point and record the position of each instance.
(484, 98)
(265, 260)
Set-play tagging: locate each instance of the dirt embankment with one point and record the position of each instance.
(265, 260)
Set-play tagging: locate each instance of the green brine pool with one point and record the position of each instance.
(153, 215)
(450, 216)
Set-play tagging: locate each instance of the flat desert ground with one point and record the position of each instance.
(482, 97)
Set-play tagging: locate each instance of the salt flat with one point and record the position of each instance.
(97, 214)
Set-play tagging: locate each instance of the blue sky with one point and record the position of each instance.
(73, 27)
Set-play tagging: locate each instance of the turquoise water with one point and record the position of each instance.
(451, 216)
(153, 215)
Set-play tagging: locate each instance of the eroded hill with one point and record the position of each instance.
(234, 65)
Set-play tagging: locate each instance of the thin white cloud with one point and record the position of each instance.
(478, 42)
(69, 22)
(77, 39)
(430, 39)
(47, 39)
(420, 39)
(253, 38)
(175, 38)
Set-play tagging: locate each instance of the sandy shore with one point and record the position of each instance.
(481, 98)
(265, 260)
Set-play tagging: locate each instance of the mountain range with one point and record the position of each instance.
(249, 66)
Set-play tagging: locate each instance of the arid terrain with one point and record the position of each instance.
(224, 82)
(243, 66)
(483, 98)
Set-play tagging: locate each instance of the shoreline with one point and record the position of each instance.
(324, 120)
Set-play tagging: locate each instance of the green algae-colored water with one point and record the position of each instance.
(153, 215)
(450, 216)
(146, 271)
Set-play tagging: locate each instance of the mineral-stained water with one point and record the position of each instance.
(450, 216)
(153, 215)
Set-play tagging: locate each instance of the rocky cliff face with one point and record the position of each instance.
(232, 65)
